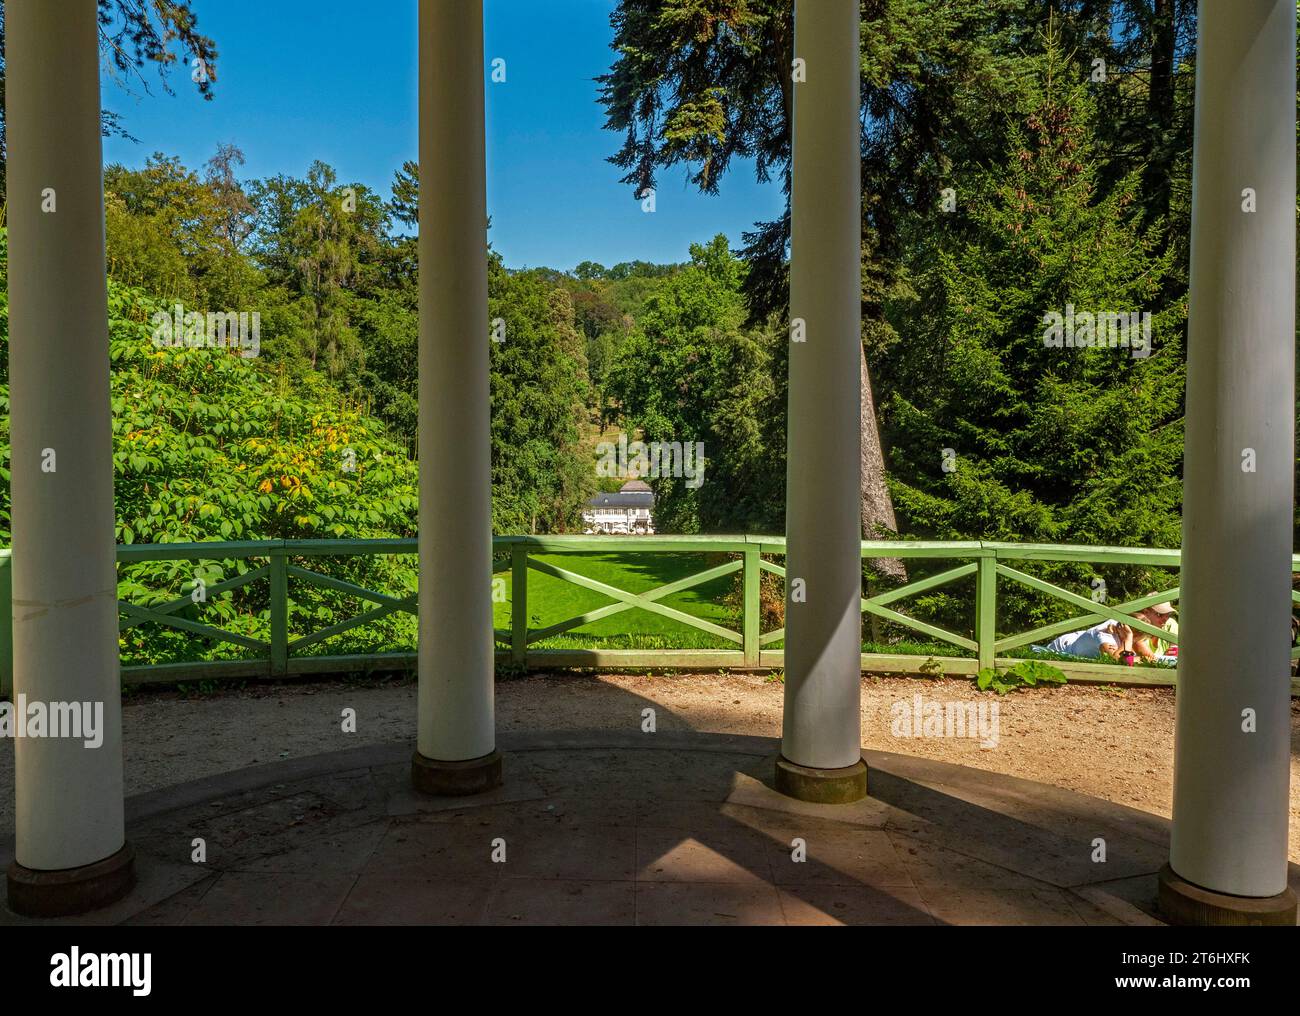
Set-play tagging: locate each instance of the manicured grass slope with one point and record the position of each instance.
(551, 600)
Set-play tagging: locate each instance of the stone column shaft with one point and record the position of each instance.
(457, 734)
(1232, 752)
(70, 843)
(822, 726)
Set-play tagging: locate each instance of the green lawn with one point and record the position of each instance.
(551, 600)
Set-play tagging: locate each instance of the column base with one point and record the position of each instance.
(71, 891)
(821, 786)
(456, 779)
(1181, 902)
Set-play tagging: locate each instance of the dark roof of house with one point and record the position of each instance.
(631, 499)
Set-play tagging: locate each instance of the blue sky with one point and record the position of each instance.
(300, 80)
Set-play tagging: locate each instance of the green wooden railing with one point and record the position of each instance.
(748, 647)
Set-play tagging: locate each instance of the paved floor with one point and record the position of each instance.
(648, 829)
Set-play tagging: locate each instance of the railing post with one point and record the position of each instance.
(986, 612)
(279, 612)
(519, 604)
(751, 603)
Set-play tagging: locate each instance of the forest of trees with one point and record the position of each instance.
(1019, 157)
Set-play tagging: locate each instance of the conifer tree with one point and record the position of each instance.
(996, 433)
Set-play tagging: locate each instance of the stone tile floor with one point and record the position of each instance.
(642, 829)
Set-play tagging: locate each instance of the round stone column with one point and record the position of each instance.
(70, 854)
(1228, 854)
(456, 751)
(821, 744)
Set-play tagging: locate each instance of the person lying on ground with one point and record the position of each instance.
(1162, 616)
(1105, 639)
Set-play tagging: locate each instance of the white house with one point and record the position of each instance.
(628, 512)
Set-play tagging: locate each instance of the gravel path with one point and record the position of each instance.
(1113, 744)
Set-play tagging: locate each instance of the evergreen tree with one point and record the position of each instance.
(322, 244)
(997, 434)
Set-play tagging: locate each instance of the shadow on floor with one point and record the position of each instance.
(616, 828)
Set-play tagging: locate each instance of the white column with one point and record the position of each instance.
(1233, 717)
(457, 734)
(69, 796)
(821, 729)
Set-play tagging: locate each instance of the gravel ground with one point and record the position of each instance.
(1110, 743)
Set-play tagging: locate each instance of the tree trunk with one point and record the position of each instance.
(878, 520)
(1161, 103)
(1164, 41)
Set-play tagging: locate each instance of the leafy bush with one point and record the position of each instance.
(209, 446)
(1025, 674)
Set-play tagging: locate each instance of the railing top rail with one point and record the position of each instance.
(211, 549)
(1159, 557)
(671, 542)
(925, 548)
(206, 550)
